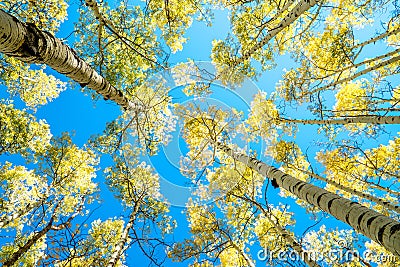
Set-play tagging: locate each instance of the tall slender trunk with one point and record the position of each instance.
(367, 61)
(354, 76)
(374, 39)
(31, 45)
(380, 228)
(249, 262)
(375, 119)
(384, 203)
(7, 219)
(119, 248)
(293, 15)
(284, 233)
(49, 226)
(92, 4)
(16, 255)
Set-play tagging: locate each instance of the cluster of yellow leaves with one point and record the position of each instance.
(58, 188)
(138, 187)
(332, 247)
(45, 14)
(394, 39)
(153, 126)
(231, 257)
(330, 50)
(293, 160)
(233, 177)
(191, 76)
(377, 165)
(97, 248)
(173, 17)
(20, 132)
(321, 57)
(214, 234)
(383, 161)
(201, 129)
(343, 170)
(377, 254)
(266, 232)
(134, 182)
(201, 221)
(223, 55)
(125, 59)
(251, 22)
(30, 257)
(352, 99)
(355, 13)
(390, 68)
(34, 86)
(20, 189)
(70, 171)
(106, 235)
(263, 119)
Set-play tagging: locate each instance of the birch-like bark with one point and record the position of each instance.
(104, 21)
(296, 12)
(120, 247)
(284, 233)
(379, 228)
(367, 61)
(384, 203)
(36, 236)
(374, 39)
(354, 76)
(277, 15)
(7, 219)
(31, 45)
(17, 254)
(359, 119)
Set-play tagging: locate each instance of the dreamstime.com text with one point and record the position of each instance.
(335, 255)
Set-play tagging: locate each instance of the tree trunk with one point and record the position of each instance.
(359, 119)
(379, 201)
(284, 233)
(370, 223)
(16, 255)
(31, 45)
(119, 248)
(354, 76)
(374, 39)
(6, 220)
(367, 61)
(297, 11)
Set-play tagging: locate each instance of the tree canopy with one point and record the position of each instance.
(280, 147)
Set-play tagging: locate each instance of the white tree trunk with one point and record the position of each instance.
(27, 43)
(374, 39)
(359, 119)
(293, 15)
(7, 219)
(354, 76)
(380, 228)
(284, 233)
(383, 203)
(120, 247)
(293, 243)
(367, 61)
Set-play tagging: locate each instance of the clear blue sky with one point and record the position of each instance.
(76, 113)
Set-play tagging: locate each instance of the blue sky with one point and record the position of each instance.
(77, 113)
